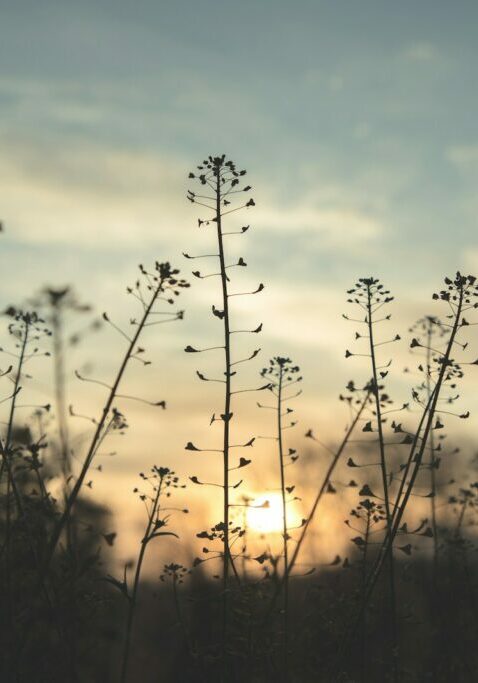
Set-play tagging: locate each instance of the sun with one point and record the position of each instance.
(264, 514)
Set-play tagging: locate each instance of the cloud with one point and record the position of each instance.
(420, 52)
(465, 160)
(331, 225)
(89, 196)
(336, 83)
(470, 259)
(464, 157)
(96, 196)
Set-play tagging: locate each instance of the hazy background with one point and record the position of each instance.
(357, 123)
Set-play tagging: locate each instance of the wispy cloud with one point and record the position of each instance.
(332, 227)
(420, 52)
(464, 157)
(91, 195)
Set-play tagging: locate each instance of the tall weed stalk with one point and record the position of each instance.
(222, 180)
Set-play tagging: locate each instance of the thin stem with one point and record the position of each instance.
(383, 469)
(417, 460)
(180, 616)
(59, 379)
(60, 400)
(11, 484)
(285, 579)
(97, 435)
(333, 464)
(325, 481)
(227, 410)
(414, 460)
(363, 654)
(132, 600)
(5, 449)
(432, 451)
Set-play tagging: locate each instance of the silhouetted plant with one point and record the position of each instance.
(27, 331)
(368, 514)
(58, 303)
(461, 296)
(357, 401)
(430, 333)
(222, 179)
(176, 573)
(162, 284)
(282, 374)
(160, 482)
(371, 296)
(61, 617)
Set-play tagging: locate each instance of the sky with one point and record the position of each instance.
(356, 122)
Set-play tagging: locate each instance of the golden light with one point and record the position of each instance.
(264, 514)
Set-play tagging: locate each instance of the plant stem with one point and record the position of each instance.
(363, 654)
(11, 484)
(285, 579)
(137, 575)
(319, 496)
(326, 480)
(227, 410)
(5, 449)
(383, 469)
(60, 400)
(180, 616)
(98, 432)
(432, 464)
(415, 458)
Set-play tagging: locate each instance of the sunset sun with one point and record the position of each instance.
(264, 515)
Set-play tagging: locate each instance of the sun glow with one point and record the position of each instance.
(264, 514)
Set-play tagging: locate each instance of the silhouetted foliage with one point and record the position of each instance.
(391, 597)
